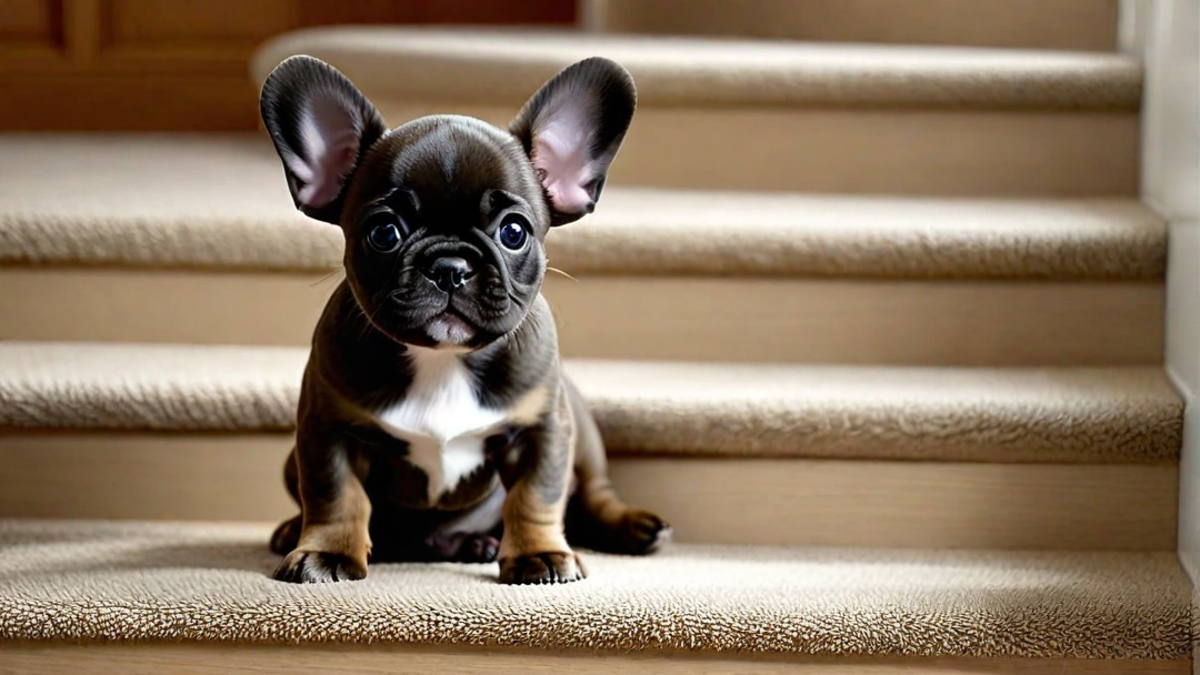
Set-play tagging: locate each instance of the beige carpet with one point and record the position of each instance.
(208, 582)
(507, 66)
(1086, 25)
(1021, 415)
(129, 205)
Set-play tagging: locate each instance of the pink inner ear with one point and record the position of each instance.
(330, 140)
(561, 155)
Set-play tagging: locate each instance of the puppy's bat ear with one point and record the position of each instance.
(572, 129)
(322, 125)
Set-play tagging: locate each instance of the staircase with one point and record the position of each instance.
(877, 327)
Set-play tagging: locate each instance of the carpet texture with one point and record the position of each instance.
(506, 67)
(128, 207)
(1084, 25)
(961, 414)
(136, 581)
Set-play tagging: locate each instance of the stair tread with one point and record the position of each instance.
(220, 202)
(644, 408)
(135, 581)
(507, 65)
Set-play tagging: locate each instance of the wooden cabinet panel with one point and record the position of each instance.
(528, 12)
(31, 22)
(149, 22)
(182, 64)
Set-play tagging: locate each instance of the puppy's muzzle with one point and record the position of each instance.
(448, 272)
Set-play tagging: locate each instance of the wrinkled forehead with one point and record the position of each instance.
(449, 164)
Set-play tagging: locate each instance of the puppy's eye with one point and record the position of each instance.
(513, 231)
(383, 232)
(384, 238)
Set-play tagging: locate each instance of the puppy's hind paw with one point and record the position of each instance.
(318, 567)
(479, 548)
(642, 532)
(286, 536)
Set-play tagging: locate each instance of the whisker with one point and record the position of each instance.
(368, 325)
(327, 277)
(558, 271)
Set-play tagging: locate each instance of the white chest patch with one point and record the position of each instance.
(441, 420)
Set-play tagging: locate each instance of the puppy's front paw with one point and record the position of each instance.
(317, 567)
(555, 567)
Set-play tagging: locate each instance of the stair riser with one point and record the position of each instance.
(918, 152)
(835, 503)
(154, 659)
(712, 319)
(1024, 24)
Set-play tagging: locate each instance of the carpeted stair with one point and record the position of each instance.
(878, 329)
(189, 581)
(746, 115)
(1084, 25)
(193, 239)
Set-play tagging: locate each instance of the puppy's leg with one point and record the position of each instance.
(598, 518)
(334, 540)
(533, 548)
(287, 535)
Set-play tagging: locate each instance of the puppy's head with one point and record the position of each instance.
(445, 216)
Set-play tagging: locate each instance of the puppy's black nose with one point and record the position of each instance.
(448, 273)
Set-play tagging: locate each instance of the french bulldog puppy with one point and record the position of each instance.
(435, 423)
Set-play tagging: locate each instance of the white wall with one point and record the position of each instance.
(1166, 34)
